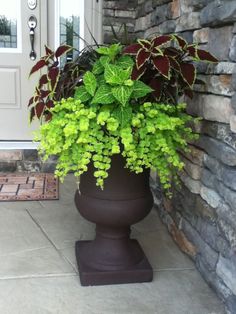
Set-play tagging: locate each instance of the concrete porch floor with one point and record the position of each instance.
(38, 273)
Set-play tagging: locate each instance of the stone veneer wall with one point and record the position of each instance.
(202, 215)
(24, 160)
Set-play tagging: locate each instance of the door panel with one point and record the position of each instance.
(15, 65)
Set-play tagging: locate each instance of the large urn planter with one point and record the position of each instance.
(112, 257)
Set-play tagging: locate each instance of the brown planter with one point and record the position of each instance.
(112, 257)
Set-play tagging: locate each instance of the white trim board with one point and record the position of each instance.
(18, 145)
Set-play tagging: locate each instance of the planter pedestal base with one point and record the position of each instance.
(90, 276)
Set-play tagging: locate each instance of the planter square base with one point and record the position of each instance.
(141, 272)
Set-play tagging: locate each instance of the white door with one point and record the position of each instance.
(17, 19)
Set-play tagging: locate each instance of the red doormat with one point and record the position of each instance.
(28, 187)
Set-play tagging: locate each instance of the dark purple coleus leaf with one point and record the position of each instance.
(39, 108)
(43, 80)
(192, 51)
(172, 52)
(189, 93)
(32, 114)
(160, 40)
(142, 57)
(48, 116)
(156, 85)
(31, 101)
(205, 56)
(62, 50)
(174, 64)
(48, 50)
(162, 64)
(188, 73)
(145, 44)
(182, 42)
(44, 93)
(49, 104)
(137, 73)
(53, 73)
(132, 49)
(39, 65)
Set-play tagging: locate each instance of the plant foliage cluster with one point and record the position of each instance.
(119, 108)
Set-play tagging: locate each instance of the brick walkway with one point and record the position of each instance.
(28, 186)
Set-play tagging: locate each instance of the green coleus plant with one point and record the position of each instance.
(110, 114)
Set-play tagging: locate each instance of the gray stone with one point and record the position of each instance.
(148, 6)
(125, 14)
(120, 5)
(231, 304)
(223, 67)
(220, 47)
(218, 12)
(108, 12)
(233, 123)
(215, 84)
(193, 185)
(10, 155)
(188, 22)
(208, 231)
(8, 166)
(192, 169)
(233, 85)
(188, 36)
(227, 230)
(143, 23)
(207, 253)
(201, 35)
(28, 166)
(217, 149)
(228, 195)
(198, 4)
(219, 131)
(164, 28)
(233, 102)
(160, 15)
(156, 3)
(227, 216)
(226, 270)
(48, 167)
(232, 52)
(212, 279)
(211, 107)
(204, 209)
(210, 196)
(208, 178)
(30, 154)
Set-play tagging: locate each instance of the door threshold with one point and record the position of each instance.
(10, 145)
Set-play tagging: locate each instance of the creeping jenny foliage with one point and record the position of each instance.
(109, 115)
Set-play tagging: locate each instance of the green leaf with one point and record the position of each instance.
(103, 95)
(140, 89)
(103, 51)
(97, 68)
(115, 75)
(123, 115)
(125, 62)
(82, 94)
(104, 60)
(90, 82)
(122, 93)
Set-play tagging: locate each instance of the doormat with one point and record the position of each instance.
(28, 187)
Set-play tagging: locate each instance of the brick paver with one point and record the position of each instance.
(28, 186)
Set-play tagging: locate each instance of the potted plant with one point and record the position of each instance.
(110, 122)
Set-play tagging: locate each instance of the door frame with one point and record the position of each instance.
(47, 36)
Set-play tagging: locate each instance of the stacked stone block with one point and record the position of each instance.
(26, 160)
(202, 214)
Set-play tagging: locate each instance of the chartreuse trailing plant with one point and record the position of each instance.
(110, 114)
